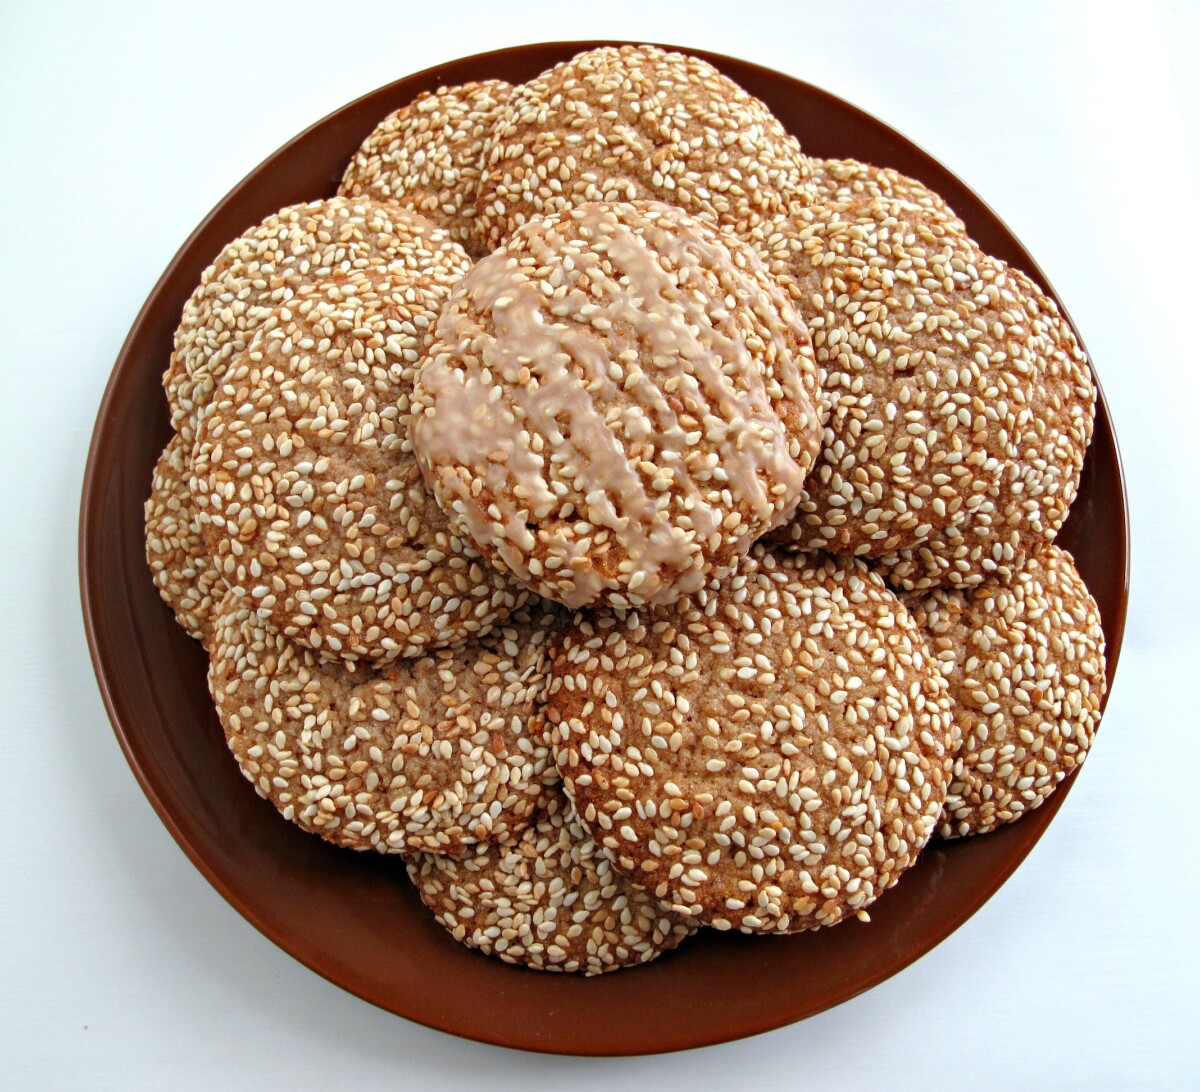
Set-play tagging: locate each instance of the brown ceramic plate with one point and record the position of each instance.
(354, 918)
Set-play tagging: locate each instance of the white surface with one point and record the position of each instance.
(120, 967)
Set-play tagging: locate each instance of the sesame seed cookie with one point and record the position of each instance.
(993, 538)
(549, 900)
(427, 156)
(638, 123)
(263, 268)
(951, 410)
(769, 755)
(183, 572)
(311, 500)
(617, 404)
(439, 753)
(838, 179)
(1025, 664)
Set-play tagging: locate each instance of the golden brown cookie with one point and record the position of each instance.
(183, 572)
(955, 412)
(440, 752)
(638, 123)
(835, 180)
(993, 539)
(305, 483)
(264, 267)
(427, 156)
(1025, 663)
(616, 404)
(549, 900)
(768, 755)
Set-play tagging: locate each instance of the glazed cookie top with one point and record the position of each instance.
(1025, 665)
(770, 754)
(440, 752)
(616, 404)
(950, 406)
(183, 572)
(427, 156)
(312, 502)
(263, 268)
(638, 123)
(549, 900)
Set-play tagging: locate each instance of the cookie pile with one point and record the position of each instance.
(632, 522)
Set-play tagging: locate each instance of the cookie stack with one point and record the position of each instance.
(633, 523)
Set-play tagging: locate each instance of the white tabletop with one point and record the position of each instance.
(121, 967)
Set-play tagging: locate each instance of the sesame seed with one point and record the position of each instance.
(795, 773)
(549, 899)
(998, 396)
(413, 756)
(346, 517)
(428, 157)
(1024, 660)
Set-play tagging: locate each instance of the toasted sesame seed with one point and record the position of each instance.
(906, 311)
(632, 124)
(186, 577)
(821, 759)
(264, 267)
(835, 180)
(436, 752)
(345, 518)
(548, 899)
(428, 156)
(1024, 660)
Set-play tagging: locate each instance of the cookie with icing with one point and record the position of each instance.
(616, 404)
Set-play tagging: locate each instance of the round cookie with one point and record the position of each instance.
(183, 572)
(638, 123)
(838, 179)
(427, 156)
(1025, 664)
(994, 540)
(263, 268)
(616, 404)
(438, 753)
(549, 900)
(311, 500)
(769, 755)
(951, 410)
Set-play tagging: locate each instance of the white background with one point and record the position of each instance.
(119, 128)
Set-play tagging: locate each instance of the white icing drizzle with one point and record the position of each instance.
(593, 381)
